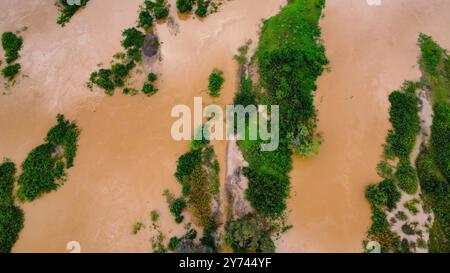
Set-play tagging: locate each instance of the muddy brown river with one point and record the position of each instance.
(126, 156)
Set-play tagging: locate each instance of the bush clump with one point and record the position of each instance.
(10, 71)
(11, 45)
(67, 10)
(248, 235)
(406, 177)
(216, 81)
(185, 6)
(149, 89)
(44, 168)
(11, 216)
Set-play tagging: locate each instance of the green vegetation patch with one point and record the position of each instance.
(433, 163)
(44, 168)
(248, 235)
(67, 9)
(11, 216)
(216, 81)
(12, 44)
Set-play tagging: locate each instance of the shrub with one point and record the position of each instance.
(151, 77)
(187, 163)
(7, 173)
(248, 235)
(64, 134)
(408, 229)
(267, 192)
(145, 19)
(431, 53)
(11, 223)
(67, 11)
(137, 227)
(133, 38)
(173, 243)
(185, 6)
(154, 216)
(440, 138)
(161, 9)
(149, 89)
(406, 177)
(44, 168)
(405, 122)
(202, 8)
(401, 215)
(176, 208)
(11, 44)
(10, 71)
(216, 81)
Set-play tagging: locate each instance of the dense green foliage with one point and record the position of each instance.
(7, 172)
(11, 217)
(161, 9)
(151, 77)
(11, 223)
(440, 137)
(11, 45)
(406, 177)
(44, 168)
(67, 11)
(202, 8)
(384, 194)
(149, 89)
(10, 71)
(176, 208)
(405, 122)
(248, 235)
(436, 190)
(433, 163)
(185, 6)
(267, 192)
(132, 38)
(109, 79)
(145, 20)
(216, 81)
(400, 141)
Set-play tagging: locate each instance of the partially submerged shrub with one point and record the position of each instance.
(10, 71)
(149, 89)
(185, 6)
(216, 81)
(68, 10)
(44, 168)
(248, 236)
(11, 45)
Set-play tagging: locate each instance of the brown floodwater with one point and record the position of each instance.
(126, 156)
(372, 50)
